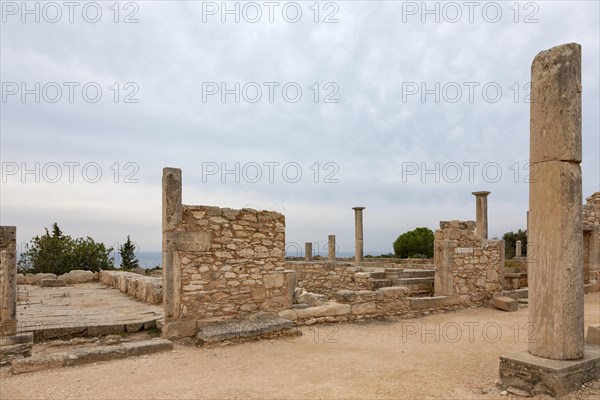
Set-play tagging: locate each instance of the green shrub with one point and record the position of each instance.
(58, 253)
(417, 243)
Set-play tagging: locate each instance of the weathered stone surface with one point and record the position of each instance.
(308, 251)
(466, 265)
(78, 309)
(77, 276)
(8, 280)
(20, 279)
(420, 303)
(52, 283)
(312, 299)
(35, 279)
(90, 355)
(179, 329)
(241, 328)
(288, 314)
(364, 308)
(556, 106)
(506, 303)
(541, 376)
(555, 273)
(331, 248)
(481, 229)
(593, 334)
(358, 234)
(144, 288)
(15, 346)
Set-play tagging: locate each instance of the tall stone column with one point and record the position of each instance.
(519, 250)
(481, 229)
(8, 280)
(172, 214)
(308, 251)
(358, 234)
(331, 253)
(555, 275)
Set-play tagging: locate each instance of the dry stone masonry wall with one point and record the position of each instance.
(219, 263)
(467, 266)
(327, 278)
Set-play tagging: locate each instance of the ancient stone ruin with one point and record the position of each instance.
(12, 343)
(225, 277)
(556, 361)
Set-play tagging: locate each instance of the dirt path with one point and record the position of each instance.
(449, 356)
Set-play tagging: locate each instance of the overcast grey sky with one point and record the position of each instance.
(402, 107)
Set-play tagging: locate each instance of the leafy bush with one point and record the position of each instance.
(417, 243)
(58, 253)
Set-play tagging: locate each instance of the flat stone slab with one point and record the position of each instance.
(86, 309)
(52, 283)
(235, 329)
(419, 303)
(593, 334)
(523, 373)
(90, 355)
(506, 303)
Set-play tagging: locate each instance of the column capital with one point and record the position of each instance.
(358, 208)
(481, 194)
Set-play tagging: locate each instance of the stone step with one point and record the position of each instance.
(379, 283)
(412, 281)
(240, 329)
(378, 275)
(391, 273)
(89, 355)
(416, 273)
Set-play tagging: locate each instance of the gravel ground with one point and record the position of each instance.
(441, 356)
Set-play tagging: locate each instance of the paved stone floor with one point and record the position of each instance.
(79, 307)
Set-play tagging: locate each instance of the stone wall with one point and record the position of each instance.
(219, 263)
(326, 278)
(591, 236)
(145, 288)
(352, 305)
(465, 265)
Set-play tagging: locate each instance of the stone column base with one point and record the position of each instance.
(531, 375)
(16, 346)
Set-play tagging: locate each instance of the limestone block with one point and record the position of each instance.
(394, 292)
(345, 296)
(77, 276)
(555, 259)
(273, 281)
(593, 334)
(506, 303)
(35, 279)
(52, 283)
(178, 329)
(556, 105)
(312, 299)
(288, 314)
(20, 279)
(364, 308)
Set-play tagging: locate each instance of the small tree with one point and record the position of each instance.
(417, 243)
(58, 253)
(128, 258)
(510, 243)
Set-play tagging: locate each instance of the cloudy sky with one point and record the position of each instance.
(306, 108)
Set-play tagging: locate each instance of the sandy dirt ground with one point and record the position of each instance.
(440, 356)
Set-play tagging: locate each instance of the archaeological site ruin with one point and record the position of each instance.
(226, 278)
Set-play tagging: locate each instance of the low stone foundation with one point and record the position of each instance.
(327, 278)
(75, 276)
(145, 288)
